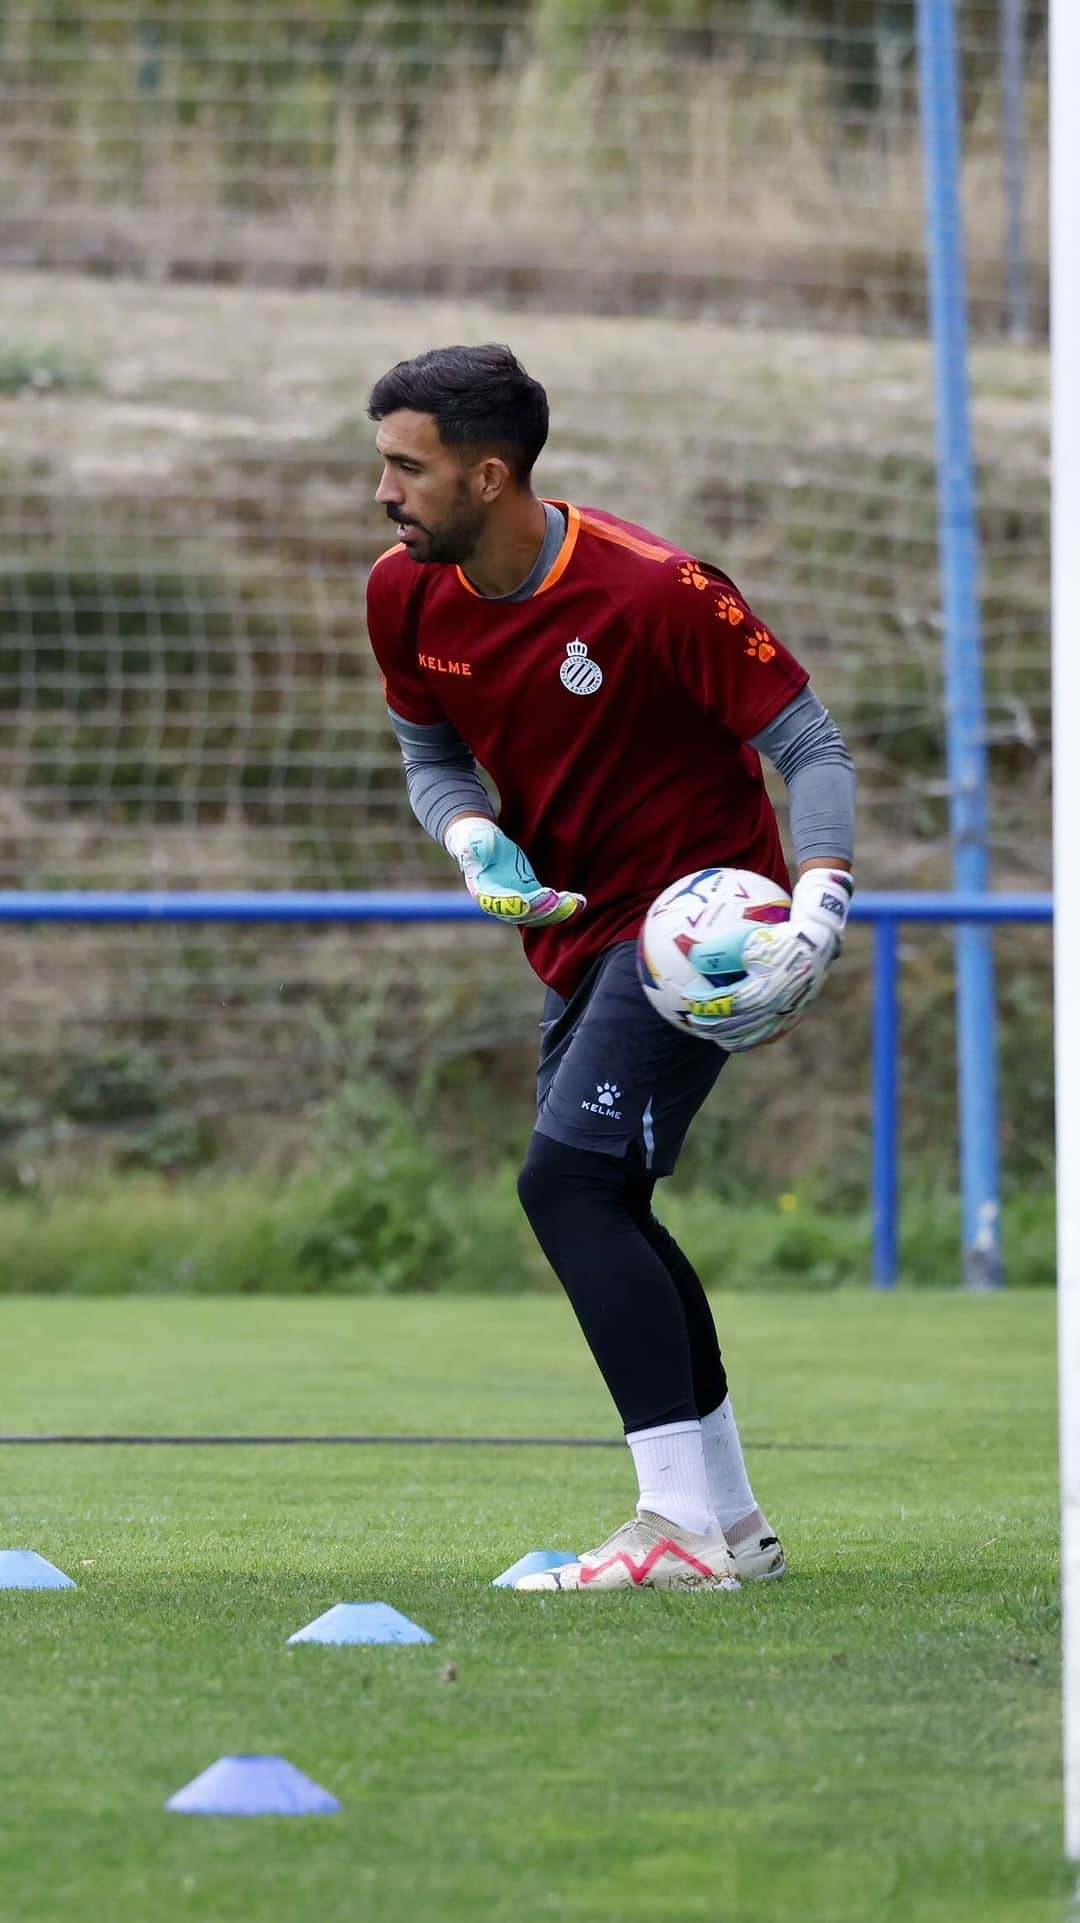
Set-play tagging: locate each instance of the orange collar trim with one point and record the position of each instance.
(559, 565)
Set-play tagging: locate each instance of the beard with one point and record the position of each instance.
(449, 544)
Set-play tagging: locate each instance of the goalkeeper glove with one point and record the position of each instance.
(500, 877)
(785, 965)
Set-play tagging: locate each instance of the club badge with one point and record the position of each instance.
(578, 674)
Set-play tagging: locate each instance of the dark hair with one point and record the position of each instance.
(480, 397)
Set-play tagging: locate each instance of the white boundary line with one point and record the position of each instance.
(1065, 337)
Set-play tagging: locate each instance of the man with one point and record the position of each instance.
(617, 692)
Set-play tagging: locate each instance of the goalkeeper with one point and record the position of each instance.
(618, 692)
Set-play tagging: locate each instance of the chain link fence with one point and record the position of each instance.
(701, 227)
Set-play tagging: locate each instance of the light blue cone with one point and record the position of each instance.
(25, 1569)
(532, 1565)
(253, 1786)
(362, 1623)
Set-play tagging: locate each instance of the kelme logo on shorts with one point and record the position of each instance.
(606, 1097)
(578, 674)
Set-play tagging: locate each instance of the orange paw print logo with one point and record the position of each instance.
(691, 576)
(729, 610)
(759, 647)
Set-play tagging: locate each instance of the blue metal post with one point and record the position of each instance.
(966, 737)
(886, 1103)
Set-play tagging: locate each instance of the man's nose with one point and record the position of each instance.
(388, 490)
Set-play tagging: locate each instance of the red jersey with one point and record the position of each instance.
(611, 710)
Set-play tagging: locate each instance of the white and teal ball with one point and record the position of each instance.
(722, 906)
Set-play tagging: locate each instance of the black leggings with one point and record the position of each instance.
(641, 1306)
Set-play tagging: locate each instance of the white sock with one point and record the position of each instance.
(672, 1478)
(729, 1486)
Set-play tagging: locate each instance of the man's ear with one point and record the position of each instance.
(494, 477)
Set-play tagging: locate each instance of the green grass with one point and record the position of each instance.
(876, 1738)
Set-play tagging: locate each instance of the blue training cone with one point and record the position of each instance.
(362, 1623)
(253, 1786)
(25, 1569)
(532, 1565)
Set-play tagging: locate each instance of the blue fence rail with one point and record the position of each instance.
(888, 913)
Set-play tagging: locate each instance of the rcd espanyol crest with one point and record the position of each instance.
(578, 673)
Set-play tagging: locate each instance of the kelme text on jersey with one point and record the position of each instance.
(438, 666)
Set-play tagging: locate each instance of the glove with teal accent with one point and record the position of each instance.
(784, 967)
(500, 877)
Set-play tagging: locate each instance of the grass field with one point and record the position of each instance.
(875, 1738)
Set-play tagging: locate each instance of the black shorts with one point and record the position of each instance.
(613, 1073)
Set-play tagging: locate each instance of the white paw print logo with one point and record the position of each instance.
(607, 1093)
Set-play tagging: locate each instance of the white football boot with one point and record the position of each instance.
(760, 1557)
(647, 1553)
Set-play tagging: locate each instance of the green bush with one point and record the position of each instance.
(171, 1144)
(115, 1085)
(44, 368)
(384, 1224)
(400, 1221)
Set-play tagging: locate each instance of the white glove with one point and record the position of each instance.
(500, 877)
(785, 965)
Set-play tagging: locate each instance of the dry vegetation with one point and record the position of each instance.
(623, 170)
(223, 432)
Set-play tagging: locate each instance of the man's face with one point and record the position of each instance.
(433, 496)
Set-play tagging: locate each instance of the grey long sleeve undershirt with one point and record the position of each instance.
(441, 774)
(803, 743)
(806, 747)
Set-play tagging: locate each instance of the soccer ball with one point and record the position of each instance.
(720, 905)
